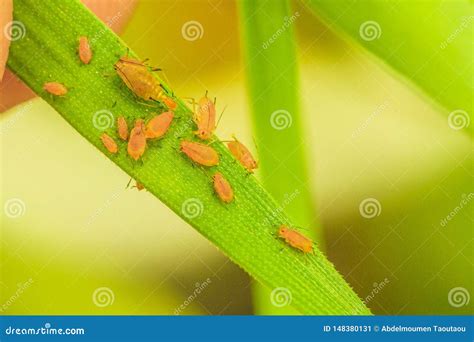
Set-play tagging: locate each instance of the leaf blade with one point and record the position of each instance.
(48, 53)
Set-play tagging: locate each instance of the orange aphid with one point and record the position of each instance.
(200, 153)
(223, 188)
(55, 88)
(205, 118)
(243, 155)
(139, 186)
(137, 77)
(109, 143)
(169, 102)
(122, 128)
(158, 126)
(84, 50)
(137, 142)
(295, 239)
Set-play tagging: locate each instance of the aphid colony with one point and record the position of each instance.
(136, 75)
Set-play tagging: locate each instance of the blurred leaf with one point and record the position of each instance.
(244, 230)
(410, 37)
(269, 47)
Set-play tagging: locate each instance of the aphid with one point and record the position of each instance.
(122, 128)
(139, 186)
(169, 102)
(137, 77)
(205, 118)
(243, 155)
(137, 141)
(200, 153)
(84, 50)
(109, 143)
(295, 239)
(223, 188)
(158, 126)
(55, 88)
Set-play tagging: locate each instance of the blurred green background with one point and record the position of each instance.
(369, 135)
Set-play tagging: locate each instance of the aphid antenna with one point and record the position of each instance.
(128, 184)
(301, 228)
(255, 143)
(220, 116)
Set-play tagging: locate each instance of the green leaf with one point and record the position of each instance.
(428, 42)
(244, 229)
(268, 41)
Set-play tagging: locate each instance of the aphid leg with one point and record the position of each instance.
(128, 83)
(143, 103)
